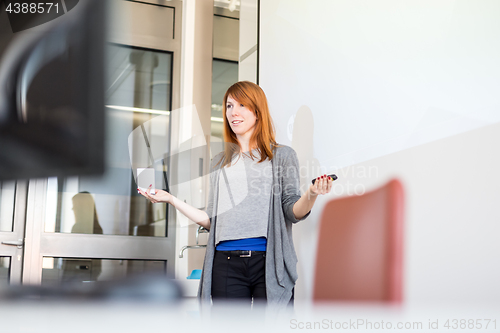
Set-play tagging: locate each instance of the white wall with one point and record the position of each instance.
(375, 90)
(380, 76)
(452, 217)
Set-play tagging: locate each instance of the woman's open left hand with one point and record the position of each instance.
(159, 196)
(322, 185)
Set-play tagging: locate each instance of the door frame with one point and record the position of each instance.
(39, 244)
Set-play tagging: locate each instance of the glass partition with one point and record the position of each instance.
(57, 271)
(4, 270)
(139, 87)
(224, 75)
(7, 199)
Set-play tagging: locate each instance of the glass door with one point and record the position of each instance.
(92, 228)
(12, 216)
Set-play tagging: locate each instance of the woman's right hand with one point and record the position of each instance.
(194, 214)
(159, 196)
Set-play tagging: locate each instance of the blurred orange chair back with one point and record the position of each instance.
(360, 247)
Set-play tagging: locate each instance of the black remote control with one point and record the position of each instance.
(334, 177)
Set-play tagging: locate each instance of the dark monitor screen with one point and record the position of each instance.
(52, 97)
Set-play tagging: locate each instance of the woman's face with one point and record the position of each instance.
(241, 119)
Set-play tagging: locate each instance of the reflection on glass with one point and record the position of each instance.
(138, 90)
(7, 198)
(224, 75)
(4, 270)
(57, 271)
(86, 221)
(148, 146)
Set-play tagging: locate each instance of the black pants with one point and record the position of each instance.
(239, 278)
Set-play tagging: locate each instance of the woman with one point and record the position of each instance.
(254, 200)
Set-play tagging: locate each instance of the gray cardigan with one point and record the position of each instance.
(281, 260)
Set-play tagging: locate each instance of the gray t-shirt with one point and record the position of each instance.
(244, 198)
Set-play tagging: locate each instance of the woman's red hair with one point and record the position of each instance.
(251, 96)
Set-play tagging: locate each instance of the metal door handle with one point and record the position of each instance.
(19, 243)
